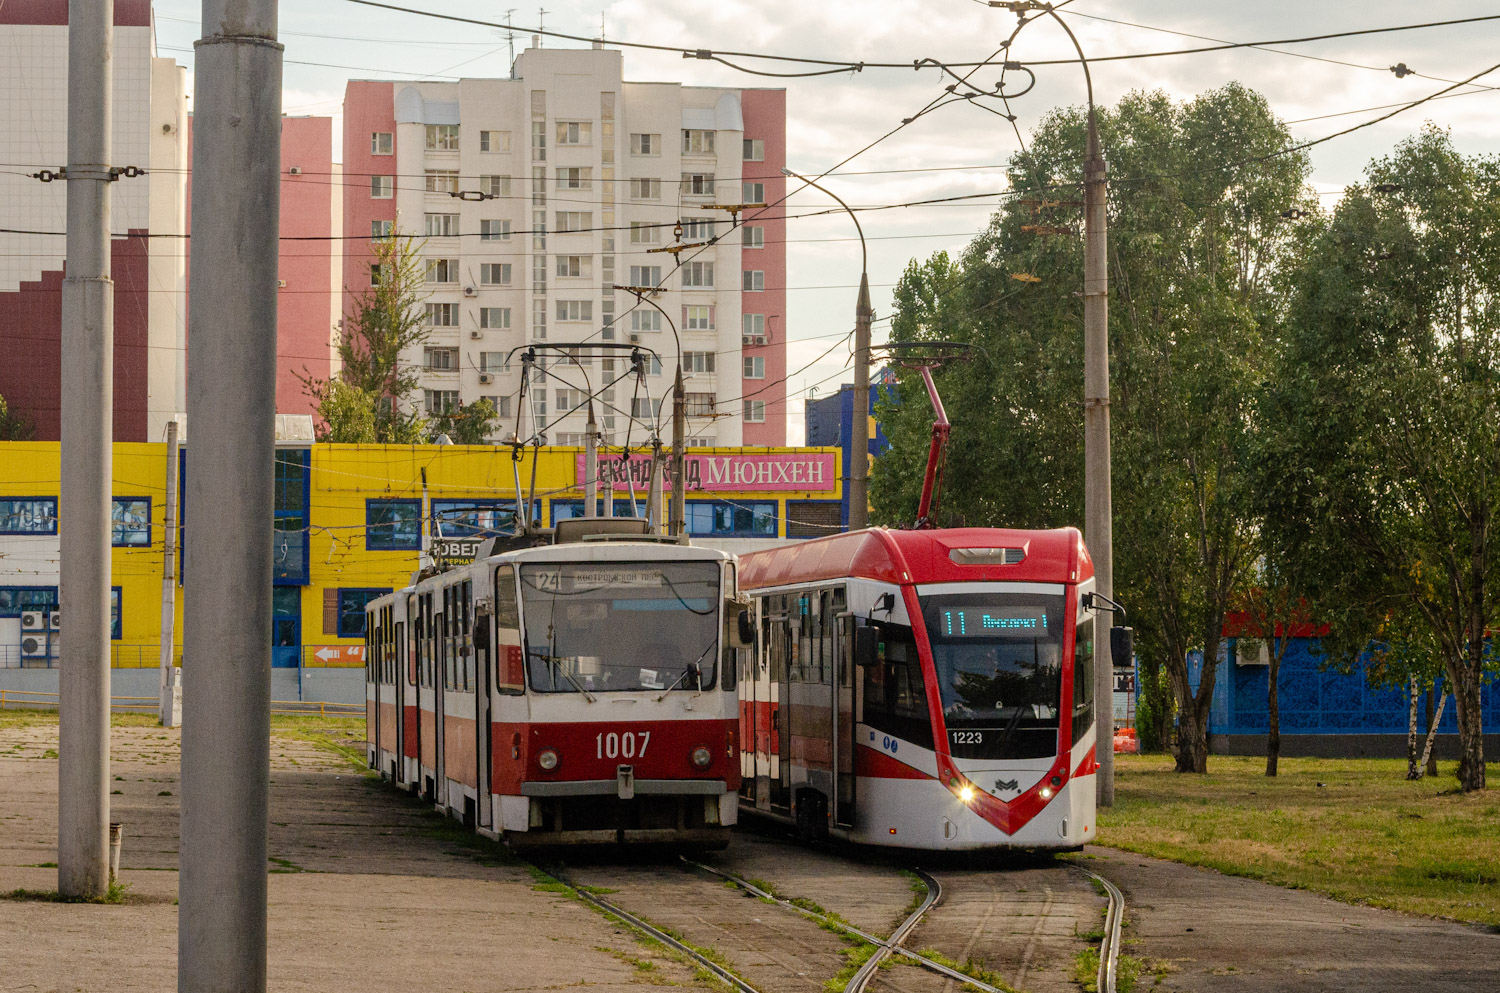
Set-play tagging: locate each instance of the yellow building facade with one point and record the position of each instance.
(352, 522)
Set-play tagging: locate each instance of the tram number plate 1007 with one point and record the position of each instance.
(625, 745)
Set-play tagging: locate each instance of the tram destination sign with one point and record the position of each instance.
(806, 472)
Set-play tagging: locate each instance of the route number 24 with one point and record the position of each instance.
(626, 745)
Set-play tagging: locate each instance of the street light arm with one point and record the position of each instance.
(864, 255)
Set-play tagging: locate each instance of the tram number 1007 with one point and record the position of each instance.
(625, 745)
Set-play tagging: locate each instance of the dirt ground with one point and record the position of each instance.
(396, 911)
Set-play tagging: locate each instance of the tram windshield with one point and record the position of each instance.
(998, 661)
(605, 627)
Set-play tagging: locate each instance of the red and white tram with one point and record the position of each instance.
(571, 693)
(925, 689)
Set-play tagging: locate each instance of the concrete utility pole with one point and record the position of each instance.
(591, 465)
(1097, 512)
(171, 694)
(88, 348)
(677, 518)
(653, 491)
(221, 943)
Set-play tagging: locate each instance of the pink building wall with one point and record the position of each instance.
(304, 328)
(369, 107)
(765, 118)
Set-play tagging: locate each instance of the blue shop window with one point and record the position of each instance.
(28, 515)
(15, 599)
(719, 518)
(289, 537)
(393, 525)
(563, 510)
(130, 522)
(472, 518)
(115, 625)
(352, 602)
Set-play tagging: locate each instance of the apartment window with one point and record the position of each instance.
(494, 273)
(473, 518)
(644, 233)
(442, 181)
(697, 184)
(696, 142)
(494, 230)
(722, 518)
(753, 323)
(442, 137)
(494, 141)
(755, 411)
(645, 144)
(580, 356)
(494, 318)
(753, 236)
(494, 362)
(381, 229)
(442, 225)
(437, 402)
(755, 279)
(539, 140)
(575, 133)
(382, 187)
(698, 228)
(572, 178)
(575, 265)
(645, 189)
(707, 442)
(575, 310)
(382, 143)
(393, 525)
(645, 320)
(644, 409)
(374, 273)
(645, 275)
(440, 359)
(699, 404)
(697, 361)
(698, 274)
(442, 270)
(501, 405)
(574, 220)
(754, 150)
(494, 186)
(752, 192)
(130, 522)
(442, 315)
(754, 367)
(567, 399)
(698, 318)
(539, 317)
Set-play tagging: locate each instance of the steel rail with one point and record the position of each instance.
(886, 946)
(866, 972)
(1109, 946)
(646, 927)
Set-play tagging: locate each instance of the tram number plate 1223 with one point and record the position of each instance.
(966, 737)
(624, 745)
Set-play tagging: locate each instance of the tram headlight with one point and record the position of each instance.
(547, 759)
(966, 794)
(702, 756)
(1046, 792)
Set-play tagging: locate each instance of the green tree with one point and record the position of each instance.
(1386, 414)
(1197, 239)
(386, 322)
(466, 424)
(14, 426)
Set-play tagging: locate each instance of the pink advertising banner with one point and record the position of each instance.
(805, 472)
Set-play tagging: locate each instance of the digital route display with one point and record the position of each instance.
(990, 622)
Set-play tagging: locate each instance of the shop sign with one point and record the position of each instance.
(805, 472)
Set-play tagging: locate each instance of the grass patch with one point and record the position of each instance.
(342, 736)
(117, 893)
(1353, 829)
(973, 969)
(50, 753)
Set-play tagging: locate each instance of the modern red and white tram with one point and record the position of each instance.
(570, 693)
(926, 689)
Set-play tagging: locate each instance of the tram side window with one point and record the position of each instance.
(895, 697)
(510, 666)
(466, 634)
(1083, 678)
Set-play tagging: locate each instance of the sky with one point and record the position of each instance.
(955, 151)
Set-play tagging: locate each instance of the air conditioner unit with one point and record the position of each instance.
(295, 170)
(476, 335)
(1252, 651)
(33, 647)
(470, 291)
(485, 377)
(635, 339)
(33, 620)
(54, 620)
(752, 339)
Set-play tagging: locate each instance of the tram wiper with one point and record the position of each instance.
(556, 662)
(692, 668)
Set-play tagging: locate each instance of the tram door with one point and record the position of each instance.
(397, 666)
(483, 690)
(779, 705)
(443, 663)
(844, 710)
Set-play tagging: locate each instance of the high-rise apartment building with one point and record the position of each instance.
(534, 197)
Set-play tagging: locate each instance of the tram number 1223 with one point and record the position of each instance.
(967, 737)
(626, 745)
